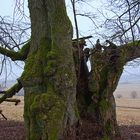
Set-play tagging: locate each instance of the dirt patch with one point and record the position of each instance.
(130, 132)
(12, 130)
(128, 120)
(11, 111)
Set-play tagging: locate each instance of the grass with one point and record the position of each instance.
(13, 129)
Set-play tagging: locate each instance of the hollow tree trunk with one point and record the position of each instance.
(107, 68)
(96, 103)
(52, 91)
(49, 77)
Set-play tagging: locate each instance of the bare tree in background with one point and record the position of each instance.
(119, 96)
(134, 95)
(14, 32)
(124, 25)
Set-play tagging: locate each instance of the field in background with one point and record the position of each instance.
(123, 96)
(128, 116)
(124, 88)
(124, 115)
(128, 119)
(127, 89)
(11, 111)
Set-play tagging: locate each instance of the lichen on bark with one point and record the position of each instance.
(49, 76)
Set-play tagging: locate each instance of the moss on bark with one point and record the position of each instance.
(49, 76)
(107, 69)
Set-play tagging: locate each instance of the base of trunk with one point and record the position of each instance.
(88, 129)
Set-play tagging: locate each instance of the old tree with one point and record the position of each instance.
(63, 100)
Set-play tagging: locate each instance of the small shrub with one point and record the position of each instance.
(119, 96)
(133, 94)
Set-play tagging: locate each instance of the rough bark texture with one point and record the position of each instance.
(20, 55)
(95, 98)
(49, 77)
(107, 69)
(59, 105)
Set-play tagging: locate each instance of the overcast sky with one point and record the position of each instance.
(7, 7)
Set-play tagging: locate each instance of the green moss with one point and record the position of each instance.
(45, 45)
(44, 109)
(135, 43)
(44, 114)
(52, 61)
(53, 54)
(108, 127)
(104, 105)
(59, 19)
(28, 99)
(76, 111)
(105, 138)
(36, 62)
(91, 108)
(25, 49)
(50, 69)
(21, 55)
(128, 48)
(47, 112)
(33, 69)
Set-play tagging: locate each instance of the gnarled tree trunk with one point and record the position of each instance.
(63, 100)
(49, 77)
(107, 69)
(95, 90)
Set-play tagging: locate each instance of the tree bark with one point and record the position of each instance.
(59, 105)
(95, 92)
(96, 103)
(49, 77)
(107, 69)
(20, 55)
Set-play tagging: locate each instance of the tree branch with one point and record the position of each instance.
(131, 50)
(21, 55)
(13, 100)
(2, 115)
(10, 93)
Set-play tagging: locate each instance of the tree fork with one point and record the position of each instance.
(20, 55)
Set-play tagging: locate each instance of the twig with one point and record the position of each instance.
(2, 115)
(17, 101)
(11, 92)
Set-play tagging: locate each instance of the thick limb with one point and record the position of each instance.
(10, 93)
(131, 50)
(21, 55)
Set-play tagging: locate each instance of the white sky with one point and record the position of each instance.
(6, 9)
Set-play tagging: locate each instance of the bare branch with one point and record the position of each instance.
(132, 25)
(2, 115)
(17, 101)
(11, 92)
(123, 26)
